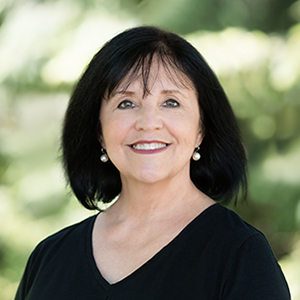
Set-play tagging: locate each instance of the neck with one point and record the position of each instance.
(140, 200)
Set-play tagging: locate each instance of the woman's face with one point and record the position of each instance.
(151, 138)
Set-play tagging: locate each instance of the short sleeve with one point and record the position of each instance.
(29, 274)
(23, 286)
(253, 273)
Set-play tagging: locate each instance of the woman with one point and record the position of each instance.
(133, 130)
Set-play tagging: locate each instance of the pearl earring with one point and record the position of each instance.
(196, 155)
(103, 157)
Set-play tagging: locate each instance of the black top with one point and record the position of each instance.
(216, 256)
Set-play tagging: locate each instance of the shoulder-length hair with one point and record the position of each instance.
(221, 171)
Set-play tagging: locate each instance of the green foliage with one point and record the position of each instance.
(191, 15)
(45, 45)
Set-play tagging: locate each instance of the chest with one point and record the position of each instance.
(185, 268)
(121, 254)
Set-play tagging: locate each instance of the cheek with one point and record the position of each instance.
(187, 129)
(115, 132)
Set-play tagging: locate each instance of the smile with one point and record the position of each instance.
(147, 146)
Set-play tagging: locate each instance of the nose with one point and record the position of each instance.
(149, 119)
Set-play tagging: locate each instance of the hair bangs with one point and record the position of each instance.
(146, 65)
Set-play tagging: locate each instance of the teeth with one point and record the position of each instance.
(152, 146)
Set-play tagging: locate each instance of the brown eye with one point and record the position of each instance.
(171, 103)
(126, 104)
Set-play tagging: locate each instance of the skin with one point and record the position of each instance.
(150, 139)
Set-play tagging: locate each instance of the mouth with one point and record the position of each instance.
(149, 146)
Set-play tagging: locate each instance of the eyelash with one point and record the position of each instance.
(168, 103)
(173, 103)
(123, 104)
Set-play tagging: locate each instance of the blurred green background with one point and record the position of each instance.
(253, 46)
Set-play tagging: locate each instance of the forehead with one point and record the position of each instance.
(158, 72)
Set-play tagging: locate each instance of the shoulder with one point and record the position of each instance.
(71, 231)
(55, 254)
(228, 234)
(225, 223)
(67, 237)
(220, 233)
(250, 269)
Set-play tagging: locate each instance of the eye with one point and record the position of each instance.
(171, 103)
(126, 104)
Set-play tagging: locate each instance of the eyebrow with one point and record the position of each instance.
(171, 92)
(123, 92)
(130, 93)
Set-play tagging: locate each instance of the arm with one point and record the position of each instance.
(253, 273)
(23, 286)
(29, 274)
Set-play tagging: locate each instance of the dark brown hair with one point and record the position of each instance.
(221, 171)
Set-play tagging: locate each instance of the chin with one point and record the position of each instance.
(150, 177)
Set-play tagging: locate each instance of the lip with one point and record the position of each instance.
(151, 143)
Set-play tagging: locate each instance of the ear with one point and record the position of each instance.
(199, 138)
(101, 140)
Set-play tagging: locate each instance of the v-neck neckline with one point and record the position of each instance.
(107, 285)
